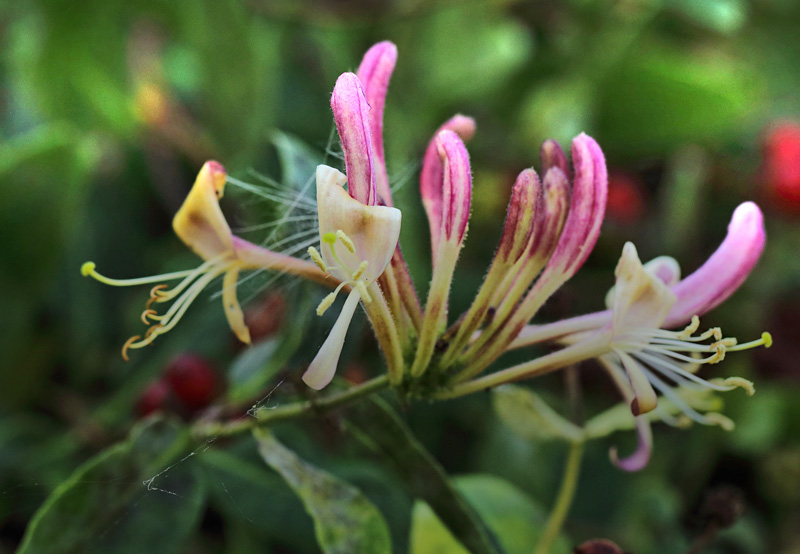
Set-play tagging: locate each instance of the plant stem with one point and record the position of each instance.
(564, 500)
(266, 417)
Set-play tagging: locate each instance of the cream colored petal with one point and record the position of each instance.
(323, 367)
(641, 300)
(374, 230)
(199, 222)
(233, 311)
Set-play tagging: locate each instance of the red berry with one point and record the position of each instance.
(625, 202)
(780, 170)
(154, 397)
(193, 381)
(266, 317)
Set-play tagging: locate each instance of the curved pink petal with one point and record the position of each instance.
(456, 185)
(725, 270)
(431, 178)
(374, 73)
(641, 456)
(351, 112)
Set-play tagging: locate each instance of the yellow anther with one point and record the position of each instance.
(748, 386)
(326, 303)
(156, 292)
(147, 313)
(127, 345)
(315, 256)
(88, 268)
(683, 422)
(362, 289)
(718, 356)
(342, 236)
(330, 238)
(715, 418)
(690, 329)
(360, 271)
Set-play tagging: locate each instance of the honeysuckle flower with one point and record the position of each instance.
(456, 187)
(357, 242)
(200, 224)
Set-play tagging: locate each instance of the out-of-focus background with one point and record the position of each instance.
(108, 109)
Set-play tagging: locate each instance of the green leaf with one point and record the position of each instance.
(530, 417)
(112, 503)
(515, 519)
(344, 520)
(376, 424)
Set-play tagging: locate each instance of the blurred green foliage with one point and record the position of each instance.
(107, 110)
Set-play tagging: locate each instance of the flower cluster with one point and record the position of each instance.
(552, 224)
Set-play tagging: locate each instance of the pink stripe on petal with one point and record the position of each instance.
(725, 270)
(457, 185)
(351, 112)
(374, 73)
(432, 175)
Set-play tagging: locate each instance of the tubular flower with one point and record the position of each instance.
(200, 224)
(357, 242)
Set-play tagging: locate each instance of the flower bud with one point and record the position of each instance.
(351, 112)
(432, 176)
(456, 185)
(524, 212)
(374, 73)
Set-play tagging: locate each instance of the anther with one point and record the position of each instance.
(326, 303)
(152, 330)
(342, 236)
(317, 259)
(360, 271)
(145, 314)
(155, 292)
(127, 345)
(690, 329)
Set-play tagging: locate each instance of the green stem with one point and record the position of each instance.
(564, 500)
(266, 417)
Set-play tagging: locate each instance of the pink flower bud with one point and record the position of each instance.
(552, 155)
(457, 186)
(725, 270)
(587, 209)
(374, 73)
(351, 112)
(431, 177)
(523, 215)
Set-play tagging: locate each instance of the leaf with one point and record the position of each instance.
(530, 417)
(109, 504)
(254, 496)
(515, 519)
(344, 520)
(376, 424)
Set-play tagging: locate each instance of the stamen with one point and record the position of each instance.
(342, 236)
(704, 419)
(329, 299)
(736, 382)
(88, 270)
(127, 345)
(317, 259)
(690, 329)
(147, 313)
(360, 271)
